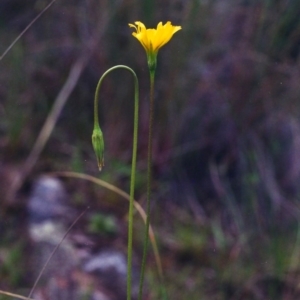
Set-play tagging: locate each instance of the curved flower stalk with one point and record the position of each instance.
(152, 40)
(98, 144)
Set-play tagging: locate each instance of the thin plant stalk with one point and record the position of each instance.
(133, 165)
(26, 29)
(14, 295)
(149, 181)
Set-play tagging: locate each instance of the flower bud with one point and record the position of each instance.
(98, 145)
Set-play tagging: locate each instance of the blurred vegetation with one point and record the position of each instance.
(226, 150)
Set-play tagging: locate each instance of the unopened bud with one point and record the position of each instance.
(98, 145)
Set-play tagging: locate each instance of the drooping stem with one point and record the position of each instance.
(133, 165)
(149, 181)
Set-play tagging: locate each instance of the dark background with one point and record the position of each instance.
(226, 134)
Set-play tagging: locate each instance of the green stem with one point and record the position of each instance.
(149, 180)
(133, 166)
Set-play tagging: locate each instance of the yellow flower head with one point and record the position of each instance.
(153, 39)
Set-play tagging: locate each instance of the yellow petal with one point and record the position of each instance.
(153, 39)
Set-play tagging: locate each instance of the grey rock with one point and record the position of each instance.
(48, 201)
(110, 268)
(48, 214)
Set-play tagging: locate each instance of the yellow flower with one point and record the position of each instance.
(153, 39)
